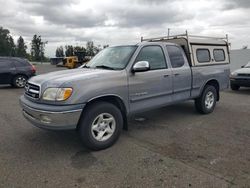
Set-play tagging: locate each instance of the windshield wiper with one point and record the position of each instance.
(105, 67)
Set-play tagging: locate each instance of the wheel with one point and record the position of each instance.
(19, 81)
(234, 87)
(100, 125)
(205, 104)
(77, 65)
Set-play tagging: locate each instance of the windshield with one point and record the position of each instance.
(115, 58)
(247, 65)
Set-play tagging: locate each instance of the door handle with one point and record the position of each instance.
(166, 75)
(176, 74)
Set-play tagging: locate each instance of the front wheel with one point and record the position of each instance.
(205, 104)
(234, 87)
(19, 81)
(100, 125)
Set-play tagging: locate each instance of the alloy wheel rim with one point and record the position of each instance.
(103, 127)
(20, 81)
(209, 100)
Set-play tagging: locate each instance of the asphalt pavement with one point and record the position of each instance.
(169, 147)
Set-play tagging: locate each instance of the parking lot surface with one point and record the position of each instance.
(169, 147)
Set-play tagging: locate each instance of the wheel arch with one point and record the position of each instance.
(216, 84)
(115, 100)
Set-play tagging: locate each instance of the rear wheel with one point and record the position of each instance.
(234, 87)
(19, 81)
(100, 125)
(205, 104)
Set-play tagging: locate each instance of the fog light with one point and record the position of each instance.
(45, 119)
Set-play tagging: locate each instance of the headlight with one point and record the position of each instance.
(57, 94)
(233, 74)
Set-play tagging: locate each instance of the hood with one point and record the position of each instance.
(59, 77)
(242, 71)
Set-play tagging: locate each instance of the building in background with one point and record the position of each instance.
(239, 58)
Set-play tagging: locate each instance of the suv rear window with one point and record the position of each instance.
(219, 55)
(203, 55)
(21, 63)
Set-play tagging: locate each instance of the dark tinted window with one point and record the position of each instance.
(20, 63)
(2, 63)
(203, 55)
(154, 55)
(5, 63)
(176, 56)
(219, 55)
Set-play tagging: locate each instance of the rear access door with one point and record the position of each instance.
(182, 77)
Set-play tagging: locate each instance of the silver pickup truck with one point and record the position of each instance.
(97, 98)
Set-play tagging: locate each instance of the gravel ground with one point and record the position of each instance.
(169, 147)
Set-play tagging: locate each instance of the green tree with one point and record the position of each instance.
(59, 51)
(79, 49)
(69, 50)
(90, 48)
(37, 48)
(105, 46)
(7, 46)
(21, 48)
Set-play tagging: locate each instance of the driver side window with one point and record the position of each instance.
(154, 55)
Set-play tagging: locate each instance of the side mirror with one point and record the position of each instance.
(141, 66)
(243, 66)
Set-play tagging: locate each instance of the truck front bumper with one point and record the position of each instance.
(53, 117)
(244, 82)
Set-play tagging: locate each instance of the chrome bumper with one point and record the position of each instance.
(54, 120)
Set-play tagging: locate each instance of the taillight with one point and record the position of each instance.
(33, 68)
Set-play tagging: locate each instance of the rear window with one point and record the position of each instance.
(219, 55)
(21, 63)
(203, 55)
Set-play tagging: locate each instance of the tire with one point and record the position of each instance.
(96, 127)
(19, 81)
(206, 103)
(77, 65)
(234, 87)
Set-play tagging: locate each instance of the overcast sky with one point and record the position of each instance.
(115, 22)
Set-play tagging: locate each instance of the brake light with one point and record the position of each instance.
(33, 68)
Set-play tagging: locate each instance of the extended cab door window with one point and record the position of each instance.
(154, 55)
(175, 56)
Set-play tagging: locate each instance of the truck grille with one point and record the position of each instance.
(244, 74)
(32, 90)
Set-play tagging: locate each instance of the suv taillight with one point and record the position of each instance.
(33, 68)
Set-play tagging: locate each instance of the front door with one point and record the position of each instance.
(151, 88)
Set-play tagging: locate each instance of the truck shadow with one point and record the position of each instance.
(9, 87)
(170, 113)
